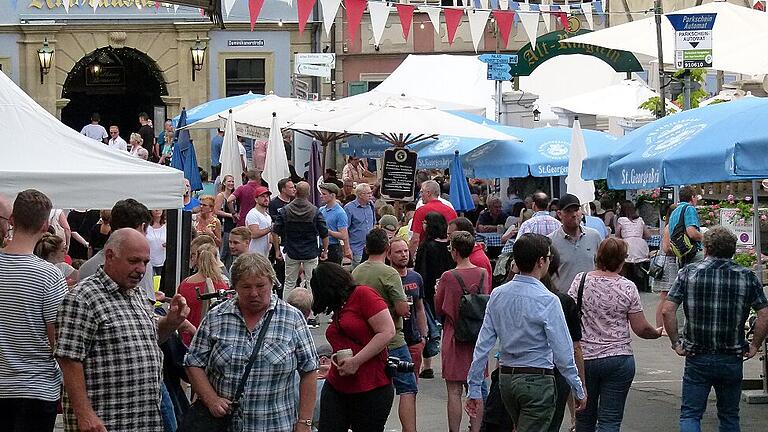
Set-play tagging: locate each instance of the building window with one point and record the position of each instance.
(244, 75)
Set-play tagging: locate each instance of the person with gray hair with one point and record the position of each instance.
(717, 295)
(491, 218)
(301, 299)
(430, 196)
(361, 216)
(271, 399)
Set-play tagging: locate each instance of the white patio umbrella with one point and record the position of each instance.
(399, 120)
(230, 154)
(618, 100)
(276, 162)
(583, 189)
(734, 37)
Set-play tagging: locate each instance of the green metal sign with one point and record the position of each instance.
(552, 45)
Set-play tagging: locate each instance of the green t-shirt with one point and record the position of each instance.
(386, 281)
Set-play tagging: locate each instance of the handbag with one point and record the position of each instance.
(656, 266)
(199, 418)
(682, 245)
(471, 311)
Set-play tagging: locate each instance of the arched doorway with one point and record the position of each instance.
(118, 83)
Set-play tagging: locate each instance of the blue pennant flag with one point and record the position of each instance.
(597, 6)
(494, 4)
(515, 6)
(477, 4)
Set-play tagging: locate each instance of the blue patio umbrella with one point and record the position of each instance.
(216, 106)
(543, 152)
(461, 198)
(184, 157)
(694, 146)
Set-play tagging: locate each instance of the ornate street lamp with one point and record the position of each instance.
(536, 114)
(45, 55)
(198, 56)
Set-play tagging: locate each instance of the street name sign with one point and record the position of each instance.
(499, 66)
(693, 39)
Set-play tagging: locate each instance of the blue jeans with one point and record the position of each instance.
(724, 372)
(404, 382)
(608, 381)
(166, 410)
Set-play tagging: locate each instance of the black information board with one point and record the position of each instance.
(398, 174)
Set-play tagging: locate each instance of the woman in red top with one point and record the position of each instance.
(207, 279)
(457, 356)
(357, 393)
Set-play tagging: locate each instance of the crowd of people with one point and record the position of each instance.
(393, 285)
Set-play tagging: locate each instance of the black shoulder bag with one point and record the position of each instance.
(682, 245)
(471, 311)
(199, 419)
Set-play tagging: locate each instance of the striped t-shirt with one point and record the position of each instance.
(31, 291)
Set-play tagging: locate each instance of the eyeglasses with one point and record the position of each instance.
(113, 133)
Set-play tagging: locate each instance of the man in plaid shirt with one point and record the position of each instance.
(716, 295)
(107, 343)
(542, 222)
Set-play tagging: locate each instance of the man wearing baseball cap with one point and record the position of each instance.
(576, 244)
(259, 222)
(336, 219)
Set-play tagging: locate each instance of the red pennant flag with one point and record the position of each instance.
(452, 20)
(355, 9)
(405, 12)
(563, 17)
(157, 5)
(254, 8)
(504, 19)
(305, 8)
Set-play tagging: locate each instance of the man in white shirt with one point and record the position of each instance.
(259, 222)
(94, 130)
(115, 141)
(241, 149)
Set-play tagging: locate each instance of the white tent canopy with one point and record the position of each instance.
(618, 100)
(74, 171)
(462, 80)
(736, 38)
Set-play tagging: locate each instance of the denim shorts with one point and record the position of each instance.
(405, 383)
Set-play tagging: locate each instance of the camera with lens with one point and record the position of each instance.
(395, 366)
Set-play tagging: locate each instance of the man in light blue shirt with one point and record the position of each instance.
(216, 143)
(534, 339)
(596, 224)
(361, 216)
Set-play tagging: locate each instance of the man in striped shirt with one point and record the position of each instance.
(32, 290)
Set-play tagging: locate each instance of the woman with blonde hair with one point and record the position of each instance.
(226, 217)
(207, 223)
(136, 143)
(207, 279)
(52, 248)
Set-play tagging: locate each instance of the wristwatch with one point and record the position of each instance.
(305, 422)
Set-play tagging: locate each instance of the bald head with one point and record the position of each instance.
(126, 255)
(302, 190)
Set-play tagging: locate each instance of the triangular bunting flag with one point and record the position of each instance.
(157, 5)
(355, 10)
(586, 8)
(254, 8)
(95, 5)
(379, 11)
(227, 6)
(434, 16)
(515, 6)
(504, 4)
(504, 22)
(405, 12)
(563, 17)
(452, 20)
(330, 8)
(530, 22)
(494, 4)
(304, 9)
(483, 4)
(597, 6)
(477, 21)
(66, 5)
(545, 16)
(175, 8)
(566, 8)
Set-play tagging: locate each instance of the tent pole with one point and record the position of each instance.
(758, 396)
(662, 107)
(756, 224)
(179, 224)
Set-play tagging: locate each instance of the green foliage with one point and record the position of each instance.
(745, 259)
(654, 105)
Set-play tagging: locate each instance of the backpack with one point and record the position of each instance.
(471, 311)
(679, 242)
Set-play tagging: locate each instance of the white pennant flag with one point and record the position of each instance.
(175, 8)
(530, 20)
(66, 5)
(477, 20)
(379, 11)
(228, 4)
(484, 4)
(587, 9)
(434, 16)
(504, 5)
(95, 5)
(330, 8)
(545, 15)
(566, 8)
